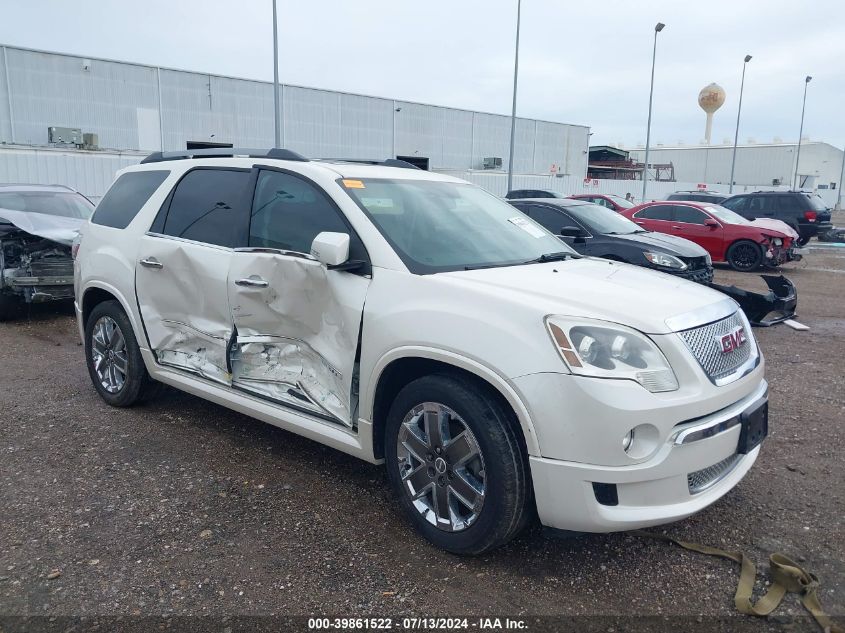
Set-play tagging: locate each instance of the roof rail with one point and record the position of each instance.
(224, 152)
(389, 162)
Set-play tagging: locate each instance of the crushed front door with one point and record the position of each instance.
(297, 327)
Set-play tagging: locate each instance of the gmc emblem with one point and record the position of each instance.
(732, 340)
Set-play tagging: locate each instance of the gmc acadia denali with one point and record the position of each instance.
(414, 319)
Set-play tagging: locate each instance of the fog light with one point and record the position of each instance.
(628, 440)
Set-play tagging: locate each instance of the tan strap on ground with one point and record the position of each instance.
(787, 577)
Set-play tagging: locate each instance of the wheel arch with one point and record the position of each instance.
(98, 292)
(399, 367)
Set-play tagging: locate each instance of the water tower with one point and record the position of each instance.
(710, 99)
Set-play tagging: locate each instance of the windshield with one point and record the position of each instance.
(627, 204)
(726, 215)
(65, 205)
(599, 219)
(444, 226)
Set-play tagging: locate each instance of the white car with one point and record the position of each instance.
(414, 319)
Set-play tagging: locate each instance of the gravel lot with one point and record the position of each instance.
(183, 508)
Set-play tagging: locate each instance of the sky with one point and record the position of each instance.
(580, 62)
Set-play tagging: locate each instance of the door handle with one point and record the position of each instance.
(151, 262)
(252, 282)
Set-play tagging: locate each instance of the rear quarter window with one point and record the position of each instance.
(126, 196)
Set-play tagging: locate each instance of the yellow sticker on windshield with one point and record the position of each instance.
(353, 184)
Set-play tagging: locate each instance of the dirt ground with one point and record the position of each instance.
(184, 508)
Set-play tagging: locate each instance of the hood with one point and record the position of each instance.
(776, 226)
(669, 244)
(594, 288)
(50, 227)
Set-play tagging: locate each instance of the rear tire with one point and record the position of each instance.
(465, 485)
(113, 357)
(745, 256)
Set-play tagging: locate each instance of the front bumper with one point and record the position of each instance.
(669, 485)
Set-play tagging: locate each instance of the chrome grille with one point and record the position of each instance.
(701, 480)
(704, 343)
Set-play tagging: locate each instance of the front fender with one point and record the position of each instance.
(487, 374)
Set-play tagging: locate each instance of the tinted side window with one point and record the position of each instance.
(657, 212)
(288, 213)
(736, 204)
(206, 207)
(690, 215)
(550, 219)
(126, 197)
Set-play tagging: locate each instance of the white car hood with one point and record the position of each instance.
(52, 227)
(598, 289)
(779, 226)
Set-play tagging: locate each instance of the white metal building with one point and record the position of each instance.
(757, 165)
(131, 107)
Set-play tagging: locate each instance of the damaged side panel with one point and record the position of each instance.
(297, 336)
(183, 300)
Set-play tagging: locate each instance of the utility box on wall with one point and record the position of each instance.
(64, 135)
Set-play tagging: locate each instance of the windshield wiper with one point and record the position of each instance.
(553, 257)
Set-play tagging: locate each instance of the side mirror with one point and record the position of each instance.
(750, 218)
(572, 231)
(711, 223)
(331, 249)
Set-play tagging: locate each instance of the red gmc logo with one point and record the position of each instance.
(732, 340)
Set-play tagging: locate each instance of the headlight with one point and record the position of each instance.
(667, 261)
(708, 259)
(608, 350)
(777, 241)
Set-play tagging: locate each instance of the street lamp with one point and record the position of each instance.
(513, 109)
(738, 111)
(801, 132)
(277, 129)
(657, 28)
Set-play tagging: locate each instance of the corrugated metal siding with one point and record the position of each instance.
(366, 127)
(120, 102)
(88, 172)
(52, 90)
(5, 117)
(93, 172)
(755, 165)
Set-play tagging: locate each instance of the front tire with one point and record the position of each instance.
(114, 359)
(456, 465)
(745, 256)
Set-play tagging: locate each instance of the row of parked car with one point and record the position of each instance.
(747, 231)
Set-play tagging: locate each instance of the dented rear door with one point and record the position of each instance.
(181, 276)
(297, 323)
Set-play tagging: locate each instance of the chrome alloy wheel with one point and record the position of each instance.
(441, 466)
(108, 352)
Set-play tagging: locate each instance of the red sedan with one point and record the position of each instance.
(609, 200)
(727, 236)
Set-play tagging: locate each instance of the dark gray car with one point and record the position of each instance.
(594, 230)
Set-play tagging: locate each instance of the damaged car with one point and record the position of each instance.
(415, 320)
(745, 245)
(38, 224)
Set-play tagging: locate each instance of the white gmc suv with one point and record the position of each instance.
(412, 318)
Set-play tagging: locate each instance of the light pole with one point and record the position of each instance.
(738, 111)
(801, 132)
(657, 28)
(277, 128)
(513, 109)
(841, 178)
